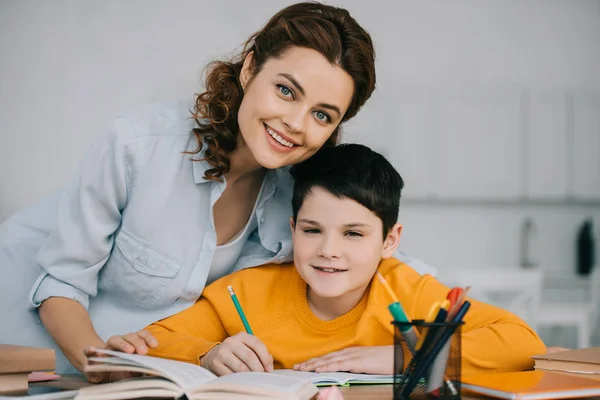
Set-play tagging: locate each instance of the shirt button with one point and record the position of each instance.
(262, 219)
(281, 258)
(141, 261)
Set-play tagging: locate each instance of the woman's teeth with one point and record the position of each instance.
(281, 140)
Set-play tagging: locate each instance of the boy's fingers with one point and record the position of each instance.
(348, 364)
(234, 361)
(260, 350)
(148, 338)
(248, 356)
(221, 369)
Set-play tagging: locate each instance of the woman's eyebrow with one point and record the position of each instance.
(295, 82)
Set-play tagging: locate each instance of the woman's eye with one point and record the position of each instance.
(285, 91)
(322, 116)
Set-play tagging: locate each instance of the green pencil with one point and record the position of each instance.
(238, 307)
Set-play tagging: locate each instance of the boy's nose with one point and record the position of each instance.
(330, 248)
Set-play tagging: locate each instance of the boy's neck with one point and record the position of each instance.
(330, 308)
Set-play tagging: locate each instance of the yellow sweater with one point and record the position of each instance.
(274, 300)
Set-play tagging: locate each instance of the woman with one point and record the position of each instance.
(165, 203)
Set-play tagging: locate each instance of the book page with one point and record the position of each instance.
(185, 375)
(336, 378)
(131, 388)
(264, 380)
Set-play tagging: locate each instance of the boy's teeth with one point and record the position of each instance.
(279, 138)
(329, 269)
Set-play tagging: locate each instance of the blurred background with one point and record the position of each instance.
(489, 109)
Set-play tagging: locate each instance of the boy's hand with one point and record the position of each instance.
(359, 360)
(129, 343)
(239, 353)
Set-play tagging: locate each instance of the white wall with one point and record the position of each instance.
(67, 67)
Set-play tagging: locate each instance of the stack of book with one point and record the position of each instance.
(582, 362)
(17, 362)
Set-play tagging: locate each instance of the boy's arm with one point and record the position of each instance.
(188, 335)
(493, 339)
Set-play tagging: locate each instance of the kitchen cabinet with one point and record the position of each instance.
(479, 144)
(409, 142)
(546, 146)
(584, 174)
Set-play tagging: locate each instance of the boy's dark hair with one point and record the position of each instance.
(355, 172)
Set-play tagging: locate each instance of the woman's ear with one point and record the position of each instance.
(391, 241)
(247, 69)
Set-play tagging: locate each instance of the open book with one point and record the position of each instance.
(173, 379)
(337, 378)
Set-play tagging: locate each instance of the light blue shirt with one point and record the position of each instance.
(132, 236)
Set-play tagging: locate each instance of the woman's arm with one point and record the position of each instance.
(71, 328)
(79, 245)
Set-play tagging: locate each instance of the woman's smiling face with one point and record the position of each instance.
(291, 106)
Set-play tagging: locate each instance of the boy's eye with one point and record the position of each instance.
(312, 231)
(322, 116)
(285, 91)
(354, 234)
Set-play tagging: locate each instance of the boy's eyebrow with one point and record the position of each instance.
(350, 225)
(301, 90)
(357, 225)
(308, 221)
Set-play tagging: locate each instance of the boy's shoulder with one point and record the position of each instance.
(394, 270)
(256, 280)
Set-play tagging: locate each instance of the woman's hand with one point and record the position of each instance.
(137, 342)
(359, 360)
(129, 343)
(239, 353)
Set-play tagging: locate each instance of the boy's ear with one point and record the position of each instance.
(391, 242)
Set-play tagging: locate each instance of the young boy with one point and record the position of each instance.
(325, 312)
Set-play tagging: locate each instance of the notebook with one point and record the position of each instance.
(582, 361)
(530, 385)
(338, 378)
(173, 379)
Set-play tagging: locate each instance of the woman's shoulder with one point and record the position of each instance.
(165, 118)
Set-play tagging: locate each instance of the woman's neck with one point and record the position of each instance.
(242, 164)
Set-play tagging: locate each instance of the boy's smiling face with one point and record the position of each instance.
(338, 244)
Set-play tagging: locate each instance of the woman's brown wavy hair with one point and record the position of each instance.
(329, 30)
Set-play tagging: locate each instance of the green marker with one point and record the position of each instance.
(407, 331)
